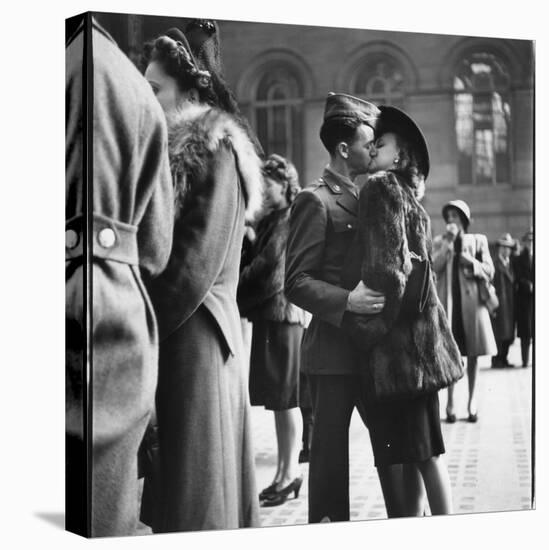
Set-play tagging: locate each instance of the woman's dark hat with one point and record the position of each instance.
(348, 106)
(460, 206)
(394, 120)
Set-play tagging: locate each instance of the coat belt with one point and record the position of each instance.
(110, 239)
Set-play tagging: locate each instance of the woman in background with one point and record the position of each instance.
(460, 261)
(277, 327)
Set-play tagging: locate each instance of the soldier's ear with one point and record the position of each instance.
(343, 149)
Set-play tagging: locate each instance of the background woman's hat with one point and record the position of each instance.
(394, 120)
(348, 106)
(506, 240)
(458, 205)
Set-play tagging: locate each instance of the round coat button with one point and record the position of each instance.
(106, 237)
(349, 226)
(336, 187)
(71, 239)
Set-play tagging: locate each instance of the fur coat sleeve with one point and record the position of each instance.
(386, 262)
(263, 276)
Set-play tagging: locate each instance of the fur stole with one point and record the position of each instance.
(194, 137)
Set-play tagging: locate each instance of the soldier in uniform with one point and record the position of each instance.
(322, 228)
(118, 235)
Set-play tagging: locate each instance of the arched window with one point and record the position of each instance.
(483, 116)
(277, 112)
(381, 79)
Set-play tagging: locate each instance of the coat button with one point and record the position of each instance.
(349, 226)
(71, 239)
(106, 237)
(337, 188)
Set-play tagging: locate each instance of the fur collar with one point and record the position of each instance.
(195, 134)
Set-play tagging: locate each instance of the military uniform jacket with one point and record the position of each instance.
(322, 228)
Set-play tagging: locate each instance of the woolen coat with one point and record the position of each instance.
(202, 399)
(479, 336)
(524, 285)
(131, 220)
(392, 224)
(322, 228)
(503, 321)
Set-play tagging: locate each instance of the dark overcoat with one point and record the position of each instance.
(503, 321)
(202, 399)
(524, 288)
(391, 225)
(129, 233)
(322, 228)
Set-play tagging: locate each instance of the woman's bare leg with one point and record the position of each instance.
(392, 487)
(472, 370)
(414, 490)
(288, 434)
(437, 485)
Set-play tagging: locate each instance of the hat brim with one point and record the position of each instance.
(394, 120)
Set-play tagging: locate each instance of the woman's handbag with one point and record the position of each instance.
(487, 295)
(417, 288)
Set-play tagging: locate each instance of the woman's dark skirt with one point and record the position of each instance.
(274, 364)
(405, 431)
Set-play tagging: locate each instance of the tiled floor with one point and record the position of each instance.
(489, 462)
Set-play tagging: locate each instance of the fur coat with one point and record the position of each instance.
(203, 406)
(391, 224)
(261, 287)
(214, 166)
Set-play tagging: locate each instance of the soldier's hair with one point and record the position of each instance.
(284, 172)
(336, 130)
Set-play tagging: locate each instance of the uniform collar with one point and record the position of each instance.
(337, 182)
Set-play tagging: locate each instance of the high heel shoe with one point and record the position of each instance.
(450, 418)
(268, 491)
(280, 497)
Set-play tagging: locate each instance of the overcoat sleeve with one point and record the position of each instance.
(263, 276)
(201, 240)
(386, 261)
(304, 261)
(155, 230)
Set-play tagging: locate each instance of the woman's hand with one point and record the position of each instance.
(364, 300)
(466, 260)
(452, 231)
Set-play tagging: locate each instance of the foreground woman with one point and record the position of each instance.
(202, 399)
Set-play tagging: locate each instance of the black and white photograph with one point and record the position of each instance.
(299, 290)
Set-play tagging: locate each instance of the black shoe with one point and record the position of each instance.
(268, 491)
(451, 418)
(472, 418)
(303, 456)
(281, 496)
